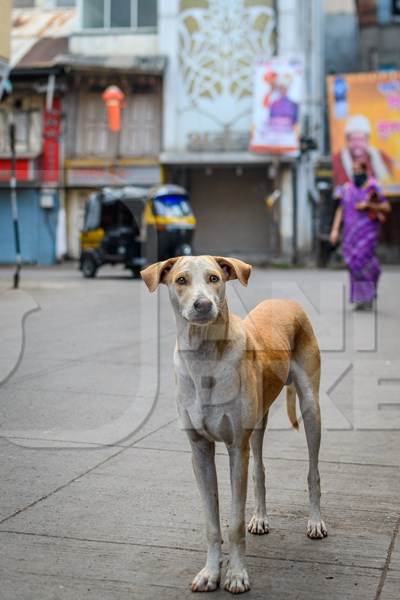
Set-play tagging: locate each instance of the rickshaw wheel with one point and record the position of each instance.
(89, 266)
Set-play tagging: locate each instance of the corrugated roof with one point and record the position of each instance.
(36, 33)
(39, 39)
(38, 22)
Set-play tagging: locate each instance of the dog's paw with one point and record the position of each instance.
(258, 525)
(205, 581)
(316, 530)
(237, 581)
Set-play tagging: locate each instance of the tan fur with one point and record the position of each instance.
(231, 268)
(277, 332)
(155, 274)
(234, 268)
(281, 333)
(291, 405)
(229, 371)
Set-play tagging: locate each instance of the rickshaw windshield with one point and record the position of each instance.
(92, 213)
(172, 206)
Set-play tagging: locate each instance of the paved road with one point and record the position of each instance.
(97, 494)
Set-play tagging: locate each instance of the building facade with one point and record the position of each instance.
(33, 100)
(116, 44)
(185, 68)
(379, 22)
(211, 47)
(64, 57)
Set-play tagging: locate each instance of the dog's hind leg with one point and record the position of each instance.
(258, 524)
(307, 386)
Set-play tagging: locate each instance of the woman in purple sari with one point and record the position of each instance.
(362, 209)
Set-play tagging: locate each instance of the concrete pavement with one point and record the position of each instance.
(98, 499)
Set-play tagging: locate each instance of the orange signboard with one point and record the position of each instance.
(364, 117)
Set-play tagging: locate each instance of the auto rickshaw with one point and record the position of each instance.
(135, 226)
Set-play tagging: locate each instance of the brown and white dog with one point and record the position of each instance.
(229, 371)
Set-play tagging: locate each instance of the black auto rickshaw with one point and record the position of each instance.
(135, 226)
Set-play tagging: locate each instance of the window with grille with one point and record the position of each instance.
(140, 132)
(117, 14)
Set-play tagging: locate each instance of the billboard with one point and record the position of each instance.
(364, 119)
(278, 91)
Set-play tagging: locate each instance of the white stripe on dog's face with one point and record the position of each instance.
(197, 289)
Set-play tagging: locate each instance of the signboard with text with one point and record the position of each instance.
(364, 117)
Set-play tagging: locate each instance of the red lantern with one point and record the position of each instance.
(114, 97)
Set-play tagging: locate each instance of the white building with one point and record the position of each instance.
(211, 47)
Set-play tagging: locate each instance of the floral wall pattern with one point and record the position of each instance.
(219, 41)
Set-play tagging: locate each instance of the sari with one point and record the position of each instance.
(360, 239)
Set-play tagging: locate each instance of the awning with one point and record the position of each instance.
(42, 54)
(150, 65)
(221, 158)
(95, 176)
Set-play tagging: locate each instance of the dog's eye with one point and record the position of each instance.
(214, 278)
(181, 281)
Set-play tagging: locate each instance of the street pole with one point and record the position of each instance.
(295, 168)
(14, 204)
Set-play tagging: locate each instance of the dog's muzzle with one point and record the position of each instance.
(202, 306)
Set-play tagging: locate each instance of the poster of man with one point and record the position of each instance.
(278, 87)
(364, 116)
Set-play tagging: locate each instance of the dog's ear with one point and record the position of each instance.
(234, 268)
(156, 273)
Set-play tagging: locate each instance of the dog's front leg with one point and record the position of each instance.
(237, 580)
(203, 458)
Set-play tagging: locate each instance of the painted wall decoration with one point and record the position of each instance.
(278, 92)
(218, 43)
(364, 118)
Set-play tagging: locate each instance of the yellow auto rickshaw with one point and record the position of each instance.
(135, 226)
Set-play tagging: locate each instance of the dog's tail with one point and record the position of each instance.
(291, 405)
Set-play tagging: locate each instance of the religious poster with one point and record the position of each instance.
(278, 91)
(364, 117)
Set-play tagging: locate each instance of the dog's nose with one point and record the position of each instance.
(202, 305)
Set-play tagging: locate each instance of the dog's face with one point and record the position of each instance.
(196, 284)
